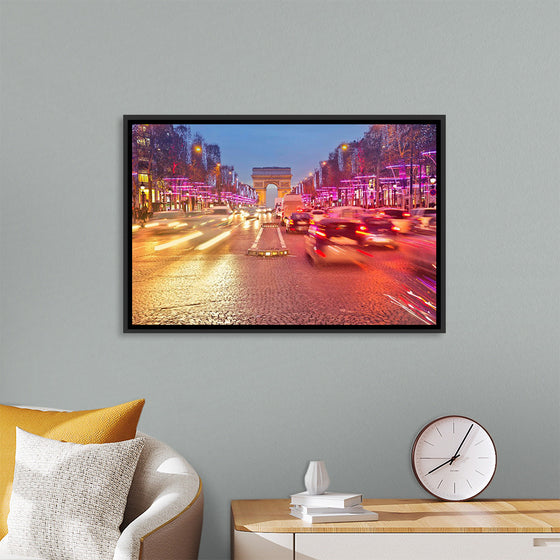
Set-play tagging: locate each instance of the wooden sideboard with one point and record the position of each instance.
(406, 530)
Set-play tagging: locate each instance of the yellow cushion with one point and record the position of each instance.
(104, 425)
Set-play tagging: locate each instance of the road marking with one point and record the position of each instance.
(282, 244)
(254, 245)
(178, 241)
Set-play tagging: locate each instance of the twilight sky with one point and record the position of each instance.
(299, 146)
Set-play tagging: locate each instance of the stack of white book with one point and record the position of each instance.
(330, 507)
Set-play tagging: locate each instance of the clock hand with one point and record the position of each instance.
(446, 462)
(460, 445)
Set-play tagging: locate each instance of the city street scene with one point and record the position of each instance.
(283, 225)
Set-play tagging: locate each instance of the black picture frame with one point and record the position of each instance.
(430, 313)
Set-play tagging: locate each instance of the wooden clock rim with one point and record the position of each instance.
(414, 449)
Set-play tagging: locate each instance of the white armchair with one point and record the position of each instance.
(163, 516)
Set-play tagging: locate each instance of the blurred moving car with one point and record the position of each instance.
(298, 221)
(421, 218)
(222, 209)
(317, 214)
(334, 240)
(224, 213)
(377, 231)
(427, 225)
(421, 252)
(167, 221)
(399, 218)
(242, 210)
(251, 214)
(352, 212)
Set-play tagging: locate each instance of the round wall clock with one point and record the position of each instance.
(454, 458)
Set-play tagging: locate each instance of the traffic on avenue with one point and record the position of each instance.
(251, 267)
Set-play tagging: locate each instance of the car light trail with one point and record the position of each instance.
(213, 241)
(154, 224)
(178, 241)
(135, 228)
(427, 302)
(423, 317)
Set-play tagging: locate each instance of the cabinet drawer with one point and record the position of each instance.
(427, 546)
(258, 546)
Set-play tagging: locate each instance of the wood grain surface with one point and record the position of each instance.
(409, 516)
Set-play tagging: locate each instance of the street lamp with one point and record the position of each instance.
(344, 147)
(432, 189)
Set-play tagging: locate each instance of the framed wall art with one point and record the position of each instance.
(284, 223)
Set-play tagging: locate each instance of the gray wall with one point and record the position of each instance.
(249, 410)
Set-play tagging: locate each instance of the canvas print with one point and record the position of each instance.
(284, 223)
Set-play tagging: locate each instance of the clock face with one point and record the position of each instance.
(454, 458)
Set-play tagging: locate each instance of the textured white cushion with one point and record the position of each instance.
(68, 499)
(10, 557)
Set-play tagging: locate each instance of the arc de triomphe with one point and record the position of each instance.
(281, 177)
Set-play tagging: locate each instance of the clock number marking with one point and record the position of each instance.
(438, 432)
(454, 492)
(479, 442)
(429, 443)
(440, 483)
(468, 483)
(482, 474)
